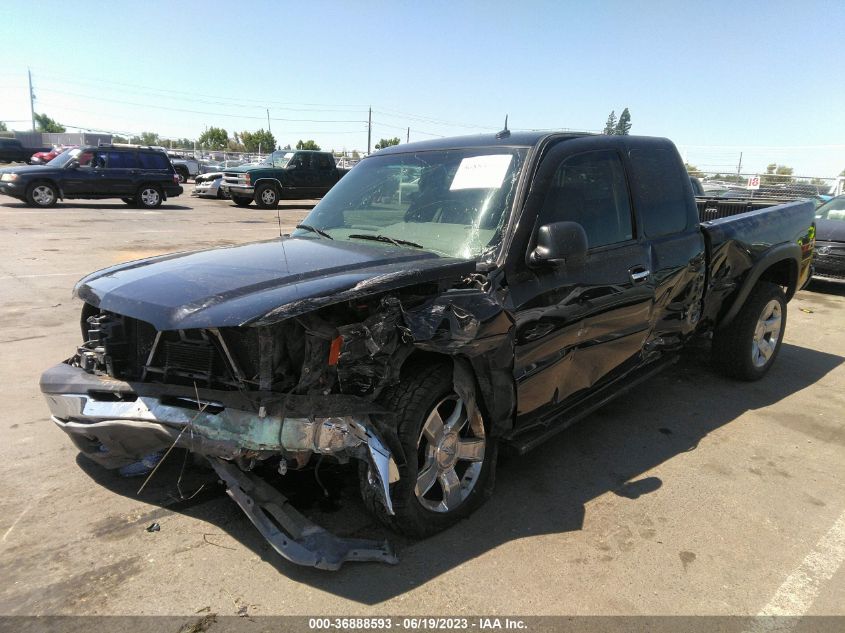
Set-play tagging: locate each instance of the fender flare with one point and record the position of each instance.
(776, 254)
(278, 182)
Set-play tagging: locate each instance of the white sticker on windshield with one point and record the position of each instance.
(482, 172)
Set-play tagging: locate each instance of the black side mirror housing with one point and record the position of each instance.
(558, 243)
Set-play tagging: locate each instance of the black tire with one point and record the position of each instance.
(42, 195)
(221, 195)
(267, 196)
(149, 196)
(183, 174)
(241, 202)
(739, 350)
(422, 387)
(128, 200)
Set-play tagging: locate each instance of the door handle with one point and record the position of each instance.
(639, 274)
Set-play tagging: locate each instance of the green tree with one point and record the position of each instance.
(286, 146)
(610, 126)
(214, 138)
(387, 142)
(842, 173)
(263, 139)
(692, 170)
(623, 126)
(776, 175)
(3, 127)
(356, 155)
(150, 138)
(309, 144)
(43, 123)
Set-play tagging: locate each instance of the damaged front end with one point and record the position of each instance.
(284, 390)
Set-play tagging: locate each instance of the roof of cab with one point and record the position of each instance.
(512, 139)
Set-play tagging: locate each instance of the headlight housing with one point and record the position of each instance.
(8, 177)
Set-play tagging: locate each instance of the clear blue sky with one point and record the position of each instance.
(718, 78)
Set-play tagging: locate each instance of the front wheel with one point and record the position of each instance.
(149, 197)
(450, 459)
(182, 174)
(266, 196)
(42, 194)
(747, 348)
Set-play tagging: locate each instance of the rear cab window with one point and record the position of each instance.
(661, 198)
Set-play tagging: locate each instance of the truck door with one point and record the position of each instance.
(580, 324)
(325, 173)
(300, 175)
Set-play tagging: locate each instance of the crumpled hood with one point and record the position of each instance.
(830, 230)
(262, 282)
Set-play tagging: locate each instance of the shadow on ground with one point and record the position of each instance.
(541, 493)
(166, 206)
(823, 286)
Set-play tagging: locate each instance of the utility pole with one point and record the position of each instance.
(268, 121)
(31, 98)
(739, 166)
(369, 131)
(408, 138)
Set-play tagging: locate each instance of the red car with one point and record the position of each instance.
(42, 158)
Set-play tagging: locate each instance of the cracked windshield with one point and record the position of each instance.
(453, 202)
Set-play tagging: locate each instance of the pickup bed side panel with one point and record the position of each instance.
(742, 248)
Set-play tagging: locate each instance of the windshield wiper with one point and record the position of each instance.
(314, 229)
(385, 238)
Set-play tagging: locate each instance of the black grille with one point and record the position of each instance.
(189, 357)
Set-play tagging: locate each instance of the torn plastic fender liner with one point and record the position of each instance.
(289, 532)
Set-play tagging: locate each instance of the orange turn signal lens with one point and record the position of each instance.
(334, 350)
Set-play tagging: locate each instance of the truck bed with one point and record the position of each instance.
(740, 238)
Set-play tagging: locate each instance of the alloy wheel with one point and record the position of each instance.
(43, 195)
(766, 334)
(450, 452)
(150, 197)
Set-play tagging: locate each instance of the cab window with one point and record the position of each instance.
(590, 189)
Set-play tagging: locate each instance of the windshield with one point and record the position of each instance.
(279, 159)
(65, 157)
(452, 202)
(832, 210)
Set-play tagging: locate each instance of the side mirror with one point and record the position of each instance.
(558, 243)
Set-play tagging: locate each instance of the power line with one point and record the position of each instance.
(193, 95)
(190, 111)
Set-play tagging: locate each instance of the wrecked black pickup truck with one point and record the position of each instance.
(446, 298)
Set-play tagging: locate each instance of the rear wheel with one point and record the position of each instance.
(266, 196)
(42, 194)
(450, 460)
(747, 348)
(183, 174)
(241, 202)
(149, 196)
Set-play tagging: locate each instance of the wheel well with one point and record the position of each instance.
(422, 358)
(783, 273)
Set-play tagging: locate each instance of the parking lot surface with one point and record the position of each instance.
(692, 494)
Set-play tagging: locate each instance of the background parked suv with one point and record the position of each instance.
(136, 175)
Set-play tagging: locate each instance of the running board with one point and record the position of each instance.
(289, 532)
(557, 422)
